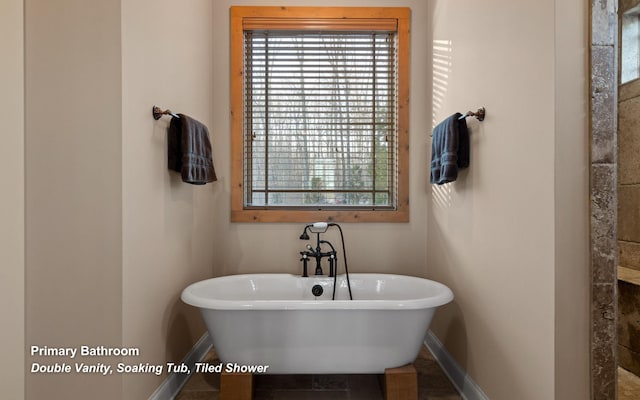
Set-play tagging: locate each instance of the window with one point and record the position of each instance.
(319, 114)
(630, 45)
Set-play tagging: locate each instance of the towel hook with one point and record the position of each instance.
(158, 113)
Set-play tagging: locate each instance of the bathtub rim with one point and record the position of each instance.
(444, 296)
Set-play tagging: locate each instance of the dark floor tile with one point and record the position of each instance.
(203, 382)
(438, 396)
(191, 395)
(283, 382)
(329, 382)
(366, 396)
(370, 382)
(365, 387)
(433, 384)
(425, 354)
(211, 357)
(431, 377)
(263, 395)
(311, 395)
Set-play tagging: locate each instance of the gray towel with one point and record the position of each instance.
(449, 149)
(189, 150)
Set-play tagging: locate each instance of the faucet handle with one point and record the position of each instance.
(304, 260)
(310, 251)
(332, 261)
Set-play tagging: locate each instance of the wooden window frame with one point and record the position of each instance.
(318, 18)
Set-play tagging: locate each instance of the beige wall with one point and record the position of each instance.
(113, 237)
(491, 233)
(571, 206)
(250, 247)
(168, 225)
(73, 188)
(510, 236)
(12, 199)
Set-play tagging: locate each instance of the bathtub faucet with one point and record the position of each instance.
(317, 253)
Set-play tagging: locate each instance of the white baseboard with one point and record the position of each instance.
(469, 390)
(172, 385)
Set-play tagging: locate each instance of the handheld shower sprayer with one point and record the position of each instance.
(319, 227)
(304, 235)
(316, 227)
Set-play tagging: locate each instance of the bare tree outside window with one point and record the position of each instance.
(320, 119)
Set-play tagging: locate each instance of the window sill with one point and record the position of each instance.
(400, 215)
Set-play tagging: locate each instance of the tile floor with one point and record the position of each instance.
(628, 385)
(432, 385)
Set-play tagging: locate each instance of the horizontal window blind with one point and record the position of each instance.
(320, 119)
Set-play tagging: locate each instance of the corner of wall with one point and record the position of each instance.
(571, 203)
(12, 284)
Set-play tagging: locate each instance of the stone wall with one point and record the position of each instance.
(604, 92)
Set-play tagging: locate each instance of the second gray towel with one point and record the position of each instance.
(449, 149)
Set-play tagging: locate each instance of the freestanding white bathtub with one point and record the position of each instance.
(274, 320)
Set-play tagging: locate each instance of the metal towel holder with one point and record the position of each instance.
(479, 114)
(158, 113)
